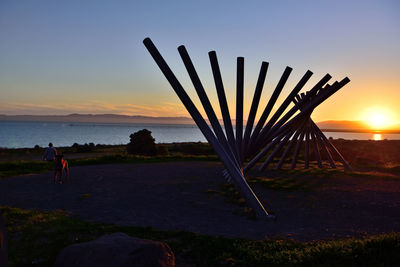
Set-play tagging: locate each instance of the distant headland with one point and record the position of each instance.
(326, 126)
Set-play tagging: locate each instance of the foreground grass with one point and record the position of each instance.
(35, 238)
(14, 168)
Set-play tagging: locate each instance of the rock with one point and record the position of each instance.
(117, 249)
(3, 243)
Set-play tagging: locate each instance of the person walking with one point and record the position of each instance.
(50, 153)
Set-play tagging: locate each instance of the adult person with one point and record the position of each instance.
(50, 153)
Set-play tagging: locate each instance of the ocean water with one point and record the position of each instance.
(29, 134)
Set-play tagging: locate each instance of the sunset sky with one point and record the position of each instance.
(62, 57)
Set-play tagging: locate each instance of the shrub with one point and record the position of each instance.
(91, 146)
(142, 143)
(84, 148)
(75, 145)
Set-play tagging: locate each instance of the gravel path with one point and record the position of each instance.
(171, 196)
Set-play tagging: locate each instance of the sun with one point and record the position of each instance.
(378, 121)
(378, 118)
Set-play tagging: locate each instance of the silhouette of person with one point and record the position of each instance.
(50, 153)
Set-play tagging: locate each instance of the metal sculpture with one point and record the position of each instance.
(266, 138)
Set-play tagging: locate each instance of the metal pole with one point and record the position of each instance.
(306, 105)
(279, 133)
(281, 109)
(324, 94)
(268, 129)
(297, 150)
(254, 106)
(222, 100)
(324, 148)
(239, 106)
(212, 117)
(289, 147)
(264, 151)
(306, 150)
(333, 148)
(276, 150)
(315, 146)
(270, 104)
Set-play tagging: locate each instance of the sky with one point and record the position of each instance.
(62, 57)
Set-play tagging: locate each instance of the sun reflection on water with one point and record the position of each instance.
(377, 137)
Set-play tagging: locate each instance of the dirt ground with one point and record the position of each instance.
(173, 196)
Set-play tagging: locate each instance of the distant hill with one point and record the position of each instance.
(349, 125)
(99, 118)
(352, 126)
(333, 126)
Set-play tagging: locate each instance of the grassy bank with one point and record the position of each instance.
(359, 153)
(28, 160)
(13, 168)
(369, 155)
(91, 151)
(36, 237)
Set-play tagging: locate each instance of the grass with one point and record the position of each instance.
(326, 172)
(26, 160)
(231, 195)
(36, 237)
(21, 167)
(379, 173)
(14, 168)
(281, 183)
(85, 196)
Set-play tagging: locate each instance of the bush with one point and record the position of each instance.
(92, 146)
(84, 148)
(75, 145)
(142, 143)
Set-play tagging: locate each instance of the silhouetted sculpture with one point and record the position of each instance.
(267, 137)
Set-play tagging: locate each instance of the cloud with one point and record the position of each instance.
(94, 107)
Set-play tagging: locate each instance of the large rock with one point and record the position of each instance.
(3, 244)
(117, 249)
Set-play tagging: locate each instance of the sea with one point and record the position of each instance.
(18, 134)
